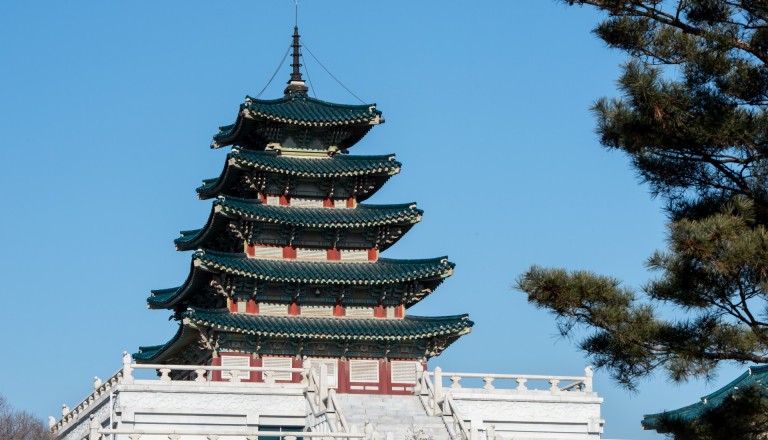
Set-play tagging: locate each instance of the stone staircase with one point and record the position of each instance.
(403, 417)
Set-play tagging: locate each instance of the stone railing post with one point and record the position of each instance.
(490, 433)
(488, 381)
(521, 383)
(323, 382)
(305, 366)
(93, 431)
(455, 379)
(127, 369)
(588, 379)
(438, 384)
(200, 375)
(553, 385)
(474, 427)
(165, 374)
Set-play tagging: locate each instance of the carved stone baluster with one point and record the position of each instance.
(588, 379)
(93, 429)
(305, 365)
(455, 381)
(127, 369)
(553, 385)
(269, 377)
(234, 376)
(488, 383)
(200, 375)
(521, 383)
(165, 374)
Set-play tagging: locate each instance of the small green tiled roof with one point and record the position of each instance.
(755, 374)
(383, 271)
(429, 272)
(269, 119)
(301, 109)
(253, 210)
(340, 165)
(410, 327)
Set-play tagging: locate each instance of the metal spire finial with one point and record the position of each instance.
(296, 83)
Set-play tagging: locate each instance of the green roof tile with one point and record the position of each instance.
(337, 166)
(362, 216)
(384, 271)
(430, 272)
(410, 327)
(300, 109)
(755, 374)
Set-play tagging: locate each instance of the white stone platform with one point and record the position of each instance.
(445, 406)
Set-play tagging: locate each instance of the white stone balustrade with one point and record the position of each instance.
(177, 434)
(521, 381)
(473, 406)
(125, 375)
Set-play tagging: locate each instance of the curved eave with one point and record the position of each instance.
(239, 160)
(299, 110)
(160, 353)
(755, 374)
(430, 271)
(384, 271)
(373, 329)
(363, 216)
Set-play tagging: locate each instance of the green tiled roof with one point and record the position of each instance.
(340, 165)
(253, 210)
(269, 118)
(300, 109)
(184, 335)
(410, 327)
(430, 272)
(384, 271)
(755, 374)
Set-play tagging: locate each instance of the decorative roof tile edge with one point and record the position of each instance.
(238, 159)
(457, 325)
(167, 298)
(754, 374)
(188, 327)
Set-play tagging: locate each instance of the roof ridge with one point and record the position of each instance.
(305, 97)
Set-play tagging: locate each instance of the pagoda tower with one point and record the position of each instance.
(287, 268)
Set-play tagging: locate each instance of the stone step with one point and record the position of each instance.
(402, 416)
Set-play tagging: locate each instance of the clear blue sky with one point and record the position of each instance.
(107, 110)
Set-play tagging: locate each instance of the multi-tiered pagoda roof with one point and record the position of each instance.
(287, 266)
